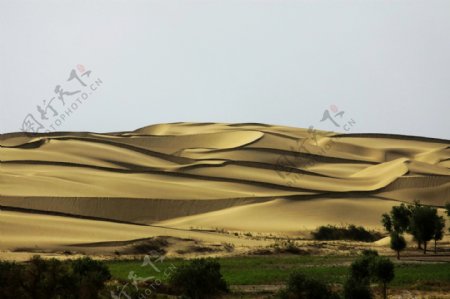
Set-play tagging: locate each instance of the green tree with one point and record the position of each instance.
(199, 279)
(89, 277)
(411, 229)
(369, 252)
(357, 289)
(301, 287)
(400, 216)
(438, 230)
(423, 224)
(358, 283)
(382, 270)
(387, 222)
(360, 268)
(398, 243)
(368, 267)
(447, 208)
(11, 274)
(39, 279)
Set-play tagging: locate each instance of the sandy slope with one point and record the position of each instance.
(248, 177)
(290, 215)
(26, 234)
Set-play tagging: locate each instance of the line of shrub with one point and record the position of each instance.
(351, 232)
(38, 278)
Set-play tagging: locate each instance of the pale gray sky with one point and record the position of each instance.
(385, 63)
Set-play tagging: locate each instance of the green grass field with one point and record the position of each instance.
(269, 270)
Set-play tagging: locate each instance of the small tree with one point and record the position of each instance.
(89, 277)
(412, 229)
(357, 289)
(439, 231)
(423, 224)
(200, 279)
(398, 243)
(369, 252)
(360, 269)
(11, 280)
(387, 222)
(447, 208)
(357, 285)
(39, 278)
(367, 268)
(301, 287)
(400, 216)
(382, 270)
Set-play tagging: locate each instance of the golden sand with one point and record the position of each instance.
(242, 177)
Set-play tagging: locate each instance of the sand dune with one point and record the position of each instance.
(26, 234)
(249, 177)
(290, 215)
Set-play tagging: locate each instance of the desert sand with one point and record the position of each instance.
(68, 188)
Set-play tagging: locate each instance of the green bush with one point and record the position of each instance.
(398, 243)
(423, 222)
(369, 252)
(199, 279)
(357, 289)
(10, 282)
(351, 232)
(369, 267)
(38, 278)
(382, 270)
(287, 246)
(301, 287)
(89, 277)
(360, 268)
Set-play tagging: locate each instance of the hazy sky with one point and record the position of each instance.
(385, 63)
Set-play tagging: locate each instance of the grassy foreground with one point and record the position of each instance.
(272, 270)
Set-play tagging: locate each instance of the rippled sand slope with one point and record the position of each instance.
(235, 176)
